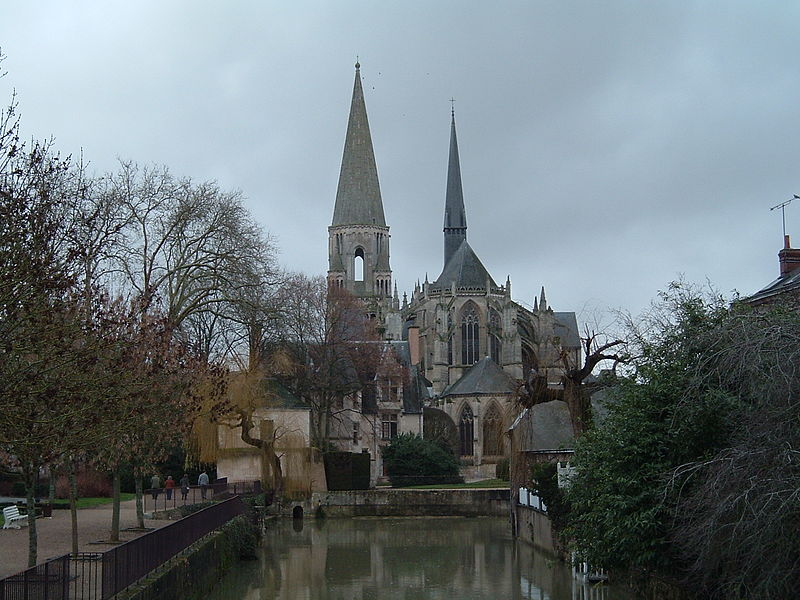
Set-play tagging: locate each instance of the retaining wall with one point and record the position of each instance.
(533, 526)
(407, 503)
(192, 573)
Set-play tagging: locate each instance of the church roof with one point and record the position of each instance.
(485, 377)
(358, 197)
(545, 426)
(566, 327)
(454, 214)
(465, 269)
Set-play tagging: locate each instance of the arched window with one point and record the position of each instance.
(493, 432)
(495, 336)
(470, 330)
(466, 430)
(359, 265)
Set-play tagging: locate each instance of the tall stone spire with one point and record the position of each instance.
(455, 217)
(358, 238)
(358, 197)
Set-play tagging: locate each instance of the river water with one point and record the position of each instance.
(420, 558)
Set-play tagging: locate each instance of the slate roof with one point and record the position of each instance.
(783, 284)
(465, 269)
(454, 214)
(358, 197)
(543, 427)
(566, 327)
(485, 377)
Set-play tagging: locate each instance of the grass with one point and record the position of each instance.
(485, 483)
(90, 502)
(86, 502)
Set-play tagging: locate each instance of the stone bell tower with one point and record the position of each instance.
(358, 238)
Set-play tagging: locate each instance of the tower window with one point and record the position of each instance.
(359, 265)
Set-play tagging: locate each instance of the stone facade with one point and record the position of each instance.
(452, 324)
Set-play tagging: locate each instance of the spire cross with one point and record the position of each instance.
(452, 107)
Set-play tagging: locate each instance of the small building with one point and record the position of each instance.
(275, 413)
(786, 288)
(540, 434)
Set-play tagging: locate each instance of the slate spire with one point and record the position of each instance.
(358, 197)
(455, 217)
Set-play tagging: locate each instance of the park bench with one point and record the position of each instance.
(13, 517)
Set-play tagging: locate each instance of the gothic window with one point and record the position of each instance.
(466, 430)
(359, 265)
(495, 336)
(355, 433)
(470, 330)
(493, 432)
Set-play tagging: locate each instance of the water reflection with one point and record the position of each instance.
(364, 559)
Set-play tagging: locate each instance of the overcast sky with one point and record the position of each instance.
(607, 148)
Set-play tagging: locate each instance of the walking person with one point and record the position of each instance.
(155, 485)
(184, 486)
(202, 481)
(169, 485)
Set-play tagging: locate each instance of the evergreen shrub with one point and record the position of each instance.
(412, 460)
(502, 470)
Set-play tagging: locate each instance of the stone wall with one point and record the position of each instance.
(407, 503)
(533, 526)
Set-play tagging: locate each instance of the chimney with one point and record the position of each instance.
(413, 344)
(789, 258)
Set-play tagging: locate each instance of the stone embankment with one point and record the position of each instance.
(406, 503)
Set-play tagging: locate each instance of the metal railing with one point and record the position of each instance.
(46, 581)
(101, 575)
(156, 499)
(129, 562)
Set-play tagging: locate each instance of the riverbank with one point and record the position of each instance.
(391, 502)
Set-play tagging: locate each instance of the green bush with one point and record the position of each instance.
(412, 460)
(501, 470)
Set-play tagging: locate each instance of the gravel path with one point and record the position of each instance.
(55, 535)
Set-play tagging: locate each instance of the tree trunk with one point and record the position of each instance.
(577, 398)
(73, 506)
(115, 508)
(277, 472)
(139, 504)
(29, 473)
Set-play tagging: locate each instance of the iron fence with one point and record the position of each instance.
(101, 575)
(86, 576)
(129, 562)
(46, 581)
(156, 499)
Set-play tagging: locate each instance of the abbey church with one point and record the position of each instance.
(466, 341)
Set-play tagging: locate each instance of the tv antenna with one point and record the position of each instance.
(783, 206)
